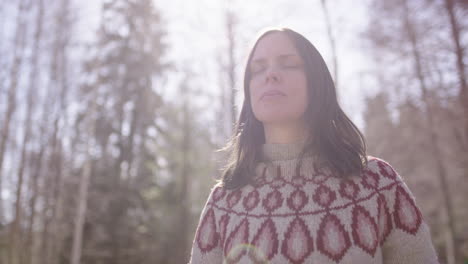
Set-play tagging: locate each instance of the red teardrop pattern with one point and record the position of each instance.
(223, 223)
(384, 218)
(251, 200)
(365, 232)
(298, 243)
(207, 235)
(272, 201)
(386, 170)
(349, 189)
(370, 180)
(332, 238)
(407, 216)
(324, 196)
(233, 198)
(236, 244)
(218, 194)
(265, 242)
(297, 200)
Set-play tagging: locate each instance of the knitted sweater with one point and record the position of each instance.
(312, 216)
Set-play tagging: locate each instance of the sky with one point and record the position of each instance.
(196, 37)
(196, 40)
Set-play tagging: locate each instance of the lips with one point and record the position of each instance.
(272, 93)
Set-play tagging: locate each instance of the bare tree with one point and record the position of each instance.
(33, 78)
(331, 38)
(231, 67)
(185, 179)
(456, 31)
(18, 57)
(403, 38)
(442, 172)
(83, 190)
(227, 113)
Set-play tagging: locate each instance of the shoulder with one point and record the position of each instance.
(379, 174)
(373, 161)
(381, 167)
(217, 192)
(387, 179)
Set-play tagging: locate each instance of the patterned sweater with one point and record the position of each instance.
(312, 216)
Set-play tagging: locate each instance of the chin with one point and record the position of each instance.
(274, 117)
(279, 115)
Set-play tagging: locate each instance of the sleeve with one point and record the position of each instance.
(407, 236)
(206, 248)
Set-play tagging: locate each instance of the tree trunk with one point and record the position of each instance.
(231, 69)
(19, 45)
(185, 179)
(441, 171)
(32, 205)
(50, 178)
(460, 54)
(81, 212)
(38, 159)
(63, 32)
(332, 42)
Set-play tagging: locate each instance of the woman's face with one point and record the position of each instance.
(278, 84)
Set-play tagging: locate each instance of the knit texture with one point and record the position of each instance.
(311, 216)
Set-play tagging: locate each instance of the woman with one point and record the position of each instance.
(299, 187)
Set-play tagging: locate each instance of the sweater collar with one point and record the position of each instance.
(283, 151)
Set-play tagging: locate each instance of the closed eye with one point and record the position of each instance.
(291, 62)
(293, 66)
(257, 68)
(285, 61)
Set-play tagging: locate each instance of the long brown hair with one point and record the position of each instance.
(338, 142)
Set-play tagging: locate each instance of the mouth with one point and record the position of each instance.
(272, 94)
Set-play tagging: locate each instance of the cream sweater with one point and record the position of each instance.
(312, 217)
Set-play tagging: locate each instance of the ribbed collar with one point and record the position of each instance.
(283, 151)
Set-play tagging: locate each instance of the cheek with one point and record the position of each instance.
(302, 85)
(254, 93)
(298, 90)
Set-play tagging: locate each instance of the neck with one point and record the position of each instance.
(282, 151)
(287, 158)
(285, 133)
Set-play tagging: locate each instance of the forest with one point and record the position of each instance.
(112, 113)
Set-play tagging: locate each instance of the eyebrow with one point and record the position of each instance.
(282, 56)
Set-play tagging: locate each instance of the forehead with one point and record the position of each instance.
(274, 44)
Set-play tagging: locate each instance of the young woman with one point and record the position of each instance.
(299, 187)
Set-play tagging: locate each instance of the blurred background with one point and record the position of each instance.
(111, 110)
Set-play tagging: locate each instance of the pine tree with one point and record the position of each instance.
(122, 70)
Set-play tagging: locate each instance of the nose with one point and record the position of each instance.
(272, 75)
